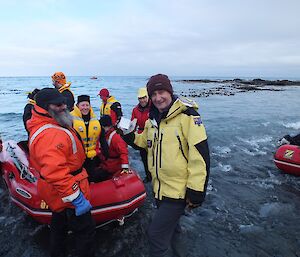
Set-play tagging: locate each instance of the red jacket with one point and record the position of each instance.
(58, 154)
(118, 153)
(141, 114)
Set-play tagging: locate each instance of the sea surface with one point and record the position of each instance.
(251, 209)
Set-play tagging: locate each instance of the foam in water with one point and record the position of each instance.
(221, 151)
(293, 125)
(224, 167)
(256, 141)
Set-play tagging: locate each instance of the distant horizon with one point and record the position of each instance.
(170, 76)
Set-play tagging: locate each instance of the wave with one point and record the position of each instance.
(256, 141)
(221, 151)
(292, 125)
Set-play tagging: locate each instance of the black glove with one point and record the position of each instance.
(194, 198)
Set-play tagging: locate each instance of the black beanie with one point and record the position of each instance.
(83, 98)
(105, 121)
(159, 82)
(48, 96)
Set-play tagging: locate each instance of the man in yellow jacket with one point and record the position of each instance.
(178, 159)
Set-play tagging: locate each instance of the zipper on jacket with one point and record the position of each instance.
(156, 166)
(160, 148)
(180, 146)
(153, 148)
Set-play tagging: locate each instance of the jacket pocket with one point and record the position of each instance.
(180, 145)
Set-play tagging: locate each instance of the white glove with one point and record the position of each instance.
(283, 141)
(127, 126)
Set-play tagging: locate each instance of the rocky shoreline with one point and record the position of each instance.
(232, 86)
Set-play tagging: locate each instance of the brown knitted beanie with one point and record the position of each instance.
(159, 82)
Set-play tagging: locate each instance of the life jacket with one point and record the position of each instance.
(68, 94)
(105, 108)
(65, 87)
(89, 136)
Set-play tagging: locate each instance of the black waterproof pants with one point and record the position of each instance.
(143, 154)
(163, 225)
(83, 228)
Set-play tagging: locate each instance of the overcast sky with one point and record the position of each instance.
(144, 37)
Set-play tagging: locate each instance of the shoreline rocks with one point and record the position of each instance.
(256, 82)
(232, 86)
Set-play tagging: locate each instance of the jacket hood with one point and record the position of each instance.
(39, 117)
(179, 105)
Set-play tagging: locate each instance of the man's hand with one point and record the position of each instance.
(82, 205)
(191, 205)
(126, 126)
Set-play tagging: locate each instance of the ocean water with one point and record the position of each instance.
(251, 208)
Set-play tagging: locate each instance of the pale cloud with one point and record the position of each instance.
(178, 37)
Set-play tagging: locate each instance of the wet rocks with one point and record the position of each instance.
(233, 86)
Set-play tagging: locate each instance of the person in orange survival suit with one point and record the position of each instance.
(117, 160)
(56, 151)
(59, 81)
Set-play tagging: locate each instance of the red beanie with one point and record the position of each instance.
(159, 82)
(104, 92)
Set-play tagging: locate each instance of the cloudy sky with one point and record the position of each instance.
(143, 37)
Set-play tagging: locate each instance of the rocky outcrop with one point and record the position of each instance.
(234, 86)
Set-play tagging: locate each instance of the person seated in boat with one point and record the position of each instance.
(60, 83)
(110, 106)
(88, 127)
(28, 107)
(287, 139)
(57, 153)
(117, 160)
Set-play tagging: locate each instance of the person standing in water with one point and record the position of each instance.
(178, 159)
(56, 151)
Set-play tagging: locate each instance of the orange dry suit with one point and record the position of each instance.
(57, 154)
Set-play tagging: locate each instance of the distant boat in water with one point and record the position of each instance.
(94, 78)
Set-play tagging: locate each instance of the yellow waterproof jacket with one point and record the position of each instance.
(89, 136)
(178, 155)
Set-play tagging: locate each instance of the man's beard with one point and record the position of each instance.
(63, 118)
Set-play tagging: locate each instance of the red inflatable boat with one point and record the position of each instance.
(112, 200)
(287, 159)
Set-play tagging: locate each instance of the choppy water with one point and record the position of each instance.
(252, 209)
